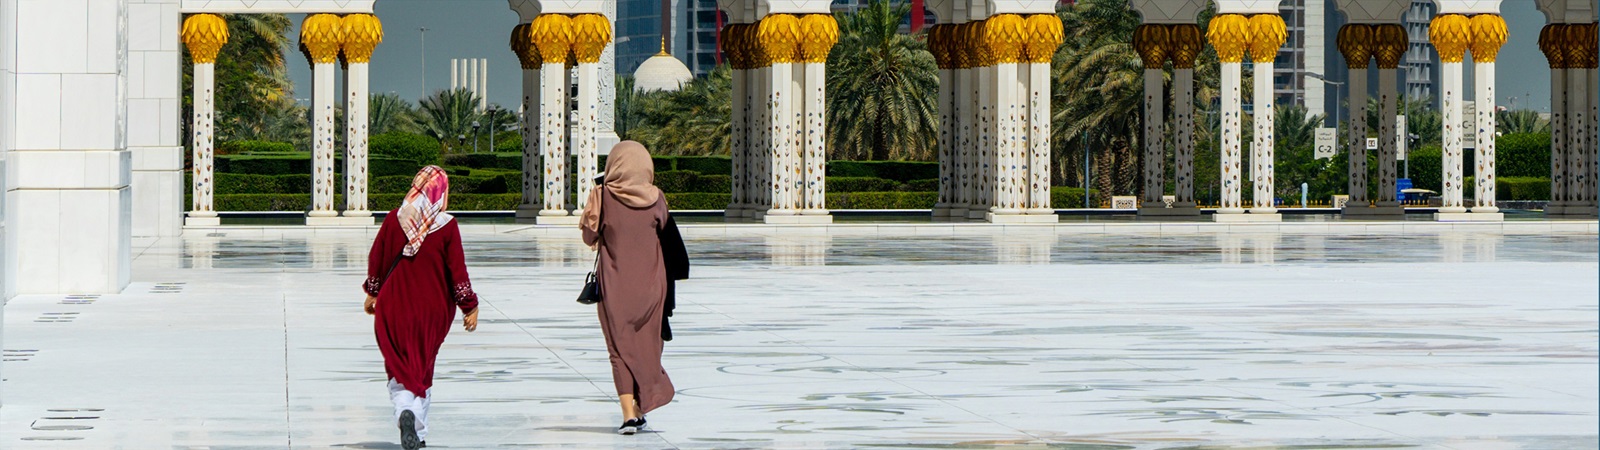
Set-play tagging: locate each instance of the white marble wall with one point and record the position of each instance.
(153, 120)
(63, 110)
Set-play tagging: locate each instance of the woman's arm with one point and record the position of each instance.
(456, 262)
(381, 257)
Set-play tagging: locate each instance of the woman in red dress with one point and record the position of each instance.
(416, 277)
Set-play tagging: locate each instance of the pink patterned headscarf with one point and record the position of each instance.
(422, 212)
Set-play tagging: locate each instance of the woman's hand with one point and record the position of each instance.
(371, 305)
(470, 321)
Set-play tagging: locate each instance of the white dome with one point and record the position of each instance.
(661, 72)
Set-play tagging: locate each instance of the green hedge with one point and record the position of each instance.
(682, 201)
(508, 143)
(882, 200)
(684, 181)
(705, 165)
(861, 184)
(1521, 155)
(242, 183)
(300, 163)
(1062, 197)
(237, 147)
(902, 171)
(421, 149)
(263, 202)
(928, 185)
(1513, 188)
(1427, 167)
(504, 161)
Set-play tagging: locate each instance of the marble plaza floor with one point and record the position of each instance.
(1443, 339)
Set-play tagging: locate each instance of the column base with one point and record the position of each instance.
(957, 212)
(193, 221)
(1263, 210)
(814, 212)
(797, 219)
(1469, 217)
(1021, 218)
(1247, 218)
(316, 221)
(361, 213)
(977, 213)
(1570, 210)
(557, 220)
(528, 213)
(941, 211)
(322, 214)
(1376, 211)
(733, 212)
(1164, 211)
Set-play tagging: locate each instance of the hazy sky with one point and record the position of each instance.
(482, 29)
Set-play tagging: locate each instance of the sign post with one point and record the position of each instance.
(1327, 143)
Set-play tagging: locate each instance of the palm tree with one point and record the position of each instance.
(693, 120)
(882, 88)
(448, 116)
(387, 113)
(252, 77)
(1098, 92)
(1521, 121)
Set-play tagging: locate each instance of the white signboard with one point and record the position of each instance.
(1327, 142)
(1469, 124)
(1372, 143)
(1401, 136)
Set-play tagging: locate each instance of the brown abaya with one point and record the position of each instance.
(633, 282)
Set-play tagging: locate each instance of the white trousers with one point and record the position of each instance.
(404, 401)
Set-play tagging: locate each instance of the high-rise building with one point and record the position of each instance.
(906, 25)
(694, 37)
(694, 27)
(1421, 63)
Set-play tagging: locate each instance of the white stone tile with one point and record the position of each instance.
(89, 112)
(36, 229)
(171, 25)
(136, 75)
(105, 37)
(163, 75)
(48, 169)
(144, 122)
(169, 123)
(51, 36)
(144, 27)
(38, 112)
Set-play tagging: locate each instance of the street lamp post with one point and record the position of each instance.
(475, 126)
(492, 111)
(424, 69)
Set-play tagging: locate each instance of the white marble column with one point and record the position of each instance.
(1550, 43)
(1450, 82)
(1483, 174)
(587, 141)
(1155, 142)
(355, 160)
(815, 158)
(759, 182)
(321, 36)
(1356, 141)
(1183, 137)
(553, 131)
(964, 142)
(1261, 155)
(203, 211)
(1593, 150)
(781, 134)
(1580, 200)
(1003, 142)
(983, 159)
(1232, 77)
(940, 45)
(1038, 131)
(739, 141)
(1388, 138)
(532, 163)
(155, 126)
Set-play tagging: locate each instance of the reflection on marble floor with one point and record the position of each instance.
(1451, 340)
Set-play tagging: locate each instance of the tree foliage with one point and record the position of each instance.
(882, 88)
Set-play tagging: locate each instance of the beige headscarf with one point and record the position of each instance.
(630, 176)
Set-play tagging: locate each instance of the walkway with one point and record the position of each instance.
(1449, 339)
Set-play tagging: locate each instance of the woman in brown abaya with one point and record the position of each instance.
(620, 221)
(416, 279)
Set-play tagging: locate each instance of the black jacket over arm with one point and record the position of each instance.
(676, 258)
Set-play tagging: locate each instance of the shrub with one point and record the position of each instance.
(246, 183)
(882, 200)
(264, 202)
(253, 147)
(902, 171)
(508, 143)
(458, 202)
(705, 165)
(421, 149)
(478, 185)
(1062, 197)
(264, 164)
(712, 184)
(1522, 155)
(928, 185)
(1522, 188)
(676, 181)
(384, 166)
(392, 184)
(1427, 167)
(683, 201)
(502, 161)
(860, 184)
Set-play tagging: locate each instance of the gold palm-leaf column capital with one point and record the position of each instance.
(977, 48)
(1187, 42)
(204, 35)
(1150, 40)
(751, 42)
(780, 38)
(522, 45)
(1389, 45)
(1005, 36)
(591, 33)
(819, 33)
(725, 44)
(1044, 37)
(1230, 35)
(956, 43)
(1488, 34)
(553, 35)
(1450, 34)
(1582, 46)
(362, 34)
(1551, 40)
(321, 36)
(1356, 42)
(1267, 34)
(939, 45)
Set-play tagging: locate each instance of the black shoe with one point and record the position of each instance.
(408, 431)
(423, 444)
(641, 423)
(630, 427)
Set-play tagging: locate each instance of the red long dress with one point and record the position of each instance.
(416, 304)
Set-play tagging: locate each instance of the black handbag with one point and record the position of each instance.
(591, 283)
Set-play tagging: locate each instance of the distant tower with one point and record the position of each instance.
(473, 75)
